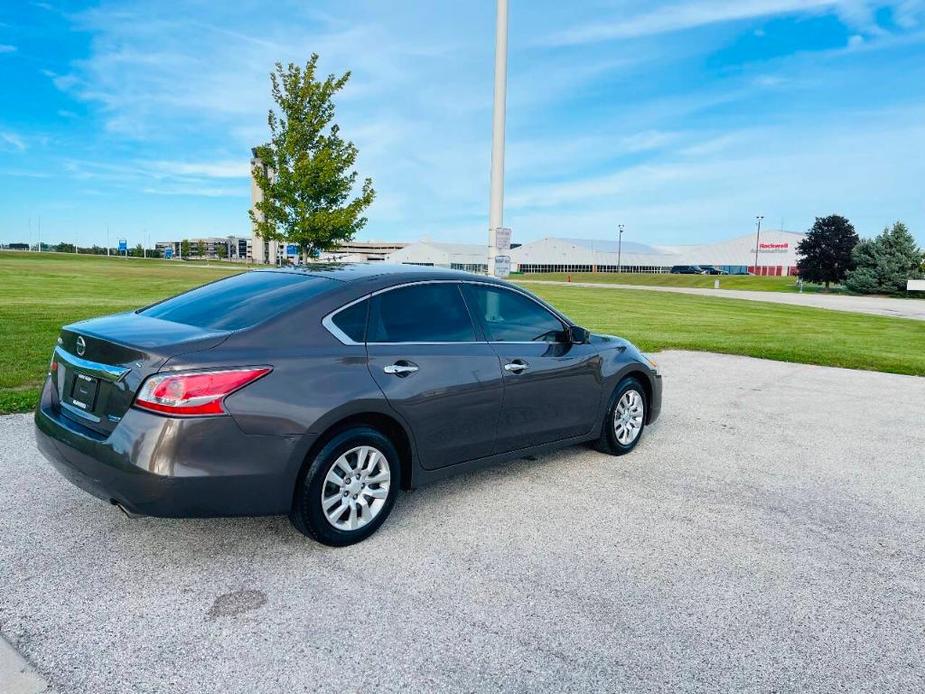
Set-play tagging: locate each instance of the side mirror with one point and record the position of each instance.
(577, 335)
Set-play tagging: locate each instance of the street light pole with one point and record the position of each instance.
(758, 219)
(620, 251)
(496, 206)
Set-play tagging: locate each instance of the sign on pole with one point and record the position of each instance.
(503, 239)
(168, 253)
(502, 265)
(123, 246)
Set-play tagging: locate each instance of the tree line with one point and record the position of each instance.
(64, 247)
(833, 253)
(187, 249)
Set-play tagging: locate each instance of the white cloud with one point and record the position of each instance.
(7, 48)
(234, 168)
(12, 141)
(194, 191)
(165, 177)
(681, 16)
(909, 13)
(856, 41)
(714, 145)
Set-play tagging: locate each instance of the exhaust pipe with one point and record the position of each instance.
(128, 514)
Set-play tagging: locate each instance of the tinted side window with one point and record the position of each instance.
(240, 301)
(512, 317)
(420, 313)
(352, 320)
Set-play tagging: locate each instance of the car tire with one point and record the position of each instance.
(624, 419)
(347, 490)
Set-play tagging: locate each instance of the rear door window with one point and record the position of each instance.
(420, 313)
(241, 301)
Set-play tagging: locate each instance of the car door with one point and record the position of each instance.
(436, 370)
(552, 388)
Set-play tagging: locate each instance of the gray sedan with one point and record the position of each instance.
(320, 393)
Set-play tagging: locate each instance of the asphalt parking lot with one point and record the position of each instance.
(768, 534)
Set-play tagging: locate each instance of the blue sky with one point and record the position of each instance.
(681, 120)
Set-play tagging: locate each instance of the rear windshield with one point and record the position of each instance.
(240, 301)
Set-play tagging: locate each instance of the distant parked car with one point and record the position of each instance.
(688, 270)
(712, 270)
(319, 393)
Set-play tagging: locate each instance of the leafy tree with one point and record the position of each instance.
(201, 249)
(825, 253)
(184, 248)
(221, 250)
(883, 264)
(306, 169)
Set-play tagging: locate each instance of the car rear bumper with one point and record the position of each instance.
(169, 467)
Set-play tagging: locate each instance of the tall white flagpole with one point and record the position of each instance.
(496, 209)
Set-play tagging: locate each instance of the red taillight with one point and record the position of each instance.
(199, 393)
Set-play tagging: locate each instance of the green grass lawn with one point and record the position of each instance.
(662, 320)
(43, 292)
(758, 284)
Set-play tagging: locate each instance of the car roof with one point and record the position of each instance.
(390, 273)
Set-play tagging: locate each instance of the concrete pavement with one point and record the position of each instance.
(876, 305)
(766, 535)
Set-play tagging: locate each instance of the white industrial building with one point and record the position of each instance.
(361, 251)
(776, 255)
(457, 256)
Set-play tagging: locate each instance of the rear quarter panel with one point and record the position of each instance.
(316, 381)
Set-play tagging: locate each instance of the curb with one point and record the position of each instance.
(16, 675)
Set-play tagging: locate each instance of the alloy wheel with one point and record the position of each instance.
(355, 488)
(628, 417)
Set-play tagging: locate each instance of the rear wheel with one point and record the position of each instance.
(625, 418)
(348, 489)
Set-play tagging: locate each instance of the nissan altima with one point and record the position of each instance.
(321, 392)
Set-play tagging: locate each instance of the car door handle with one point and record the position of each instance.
(515, 367)
(400, 369)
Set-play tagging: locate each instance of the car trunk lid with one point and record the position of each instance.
(99, 364)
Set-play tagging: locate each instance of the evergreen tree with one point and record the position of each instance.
(883, 264)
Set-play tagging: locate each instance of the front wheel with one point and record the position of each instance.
(625, 418)
(348, 489)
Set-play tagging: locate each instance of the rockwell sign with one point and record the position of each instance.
(773, 247)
